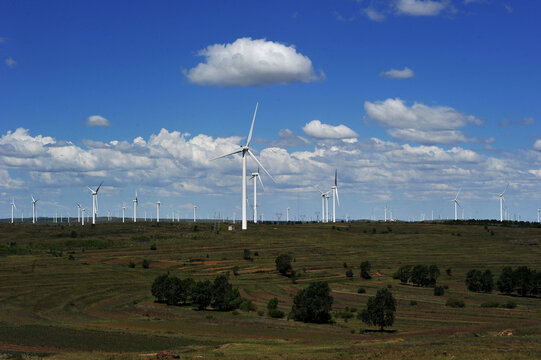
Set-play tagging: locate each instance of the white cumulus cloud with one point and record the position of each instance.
(97, 120)
(420, 7)
(398, 74)
(11, 63)
(316, 129)
(248, 62)
(537, 144)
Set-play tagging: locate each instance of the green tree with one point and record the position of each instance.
(487, 281)
(524, 279)
(365, 270)
(419, 275)
(283, 265)
(224, 296)
(474, 280)
(403, 274)
(433, 274)
(506, 281)
(202, 294)
(313, 304)
(380, 309)
(159, 287)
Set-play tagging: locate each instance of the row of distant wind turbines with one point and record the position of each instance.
(244, 151)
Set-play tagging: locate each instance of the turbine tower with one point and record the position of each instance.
(135, 202)
(244, 150)
(83, 217)
(256, 177)
(327, 196)
(158, 203)
(455, 201)
(501, 202)
(78, 212)
(123, 211)
(94, 202)
(194, 214)
(538, 211)
(13, 207)
(324, 195)
(287, 214)
(335, 197)
(34, 217)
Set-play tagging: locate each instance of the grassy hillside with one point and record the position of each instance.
(68, 292)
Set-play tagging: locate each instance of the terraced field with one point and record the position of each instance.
(67, 292)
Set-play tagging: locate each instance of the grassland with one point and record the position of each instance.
(67, 292)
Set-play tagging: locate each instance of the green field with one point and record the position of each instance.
(67, 292)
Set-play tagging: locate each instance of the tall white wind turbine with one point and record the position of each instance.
(83, 216)
(327, 196)
(34, 214)
(501, 202)
(256, 177)
(194, 213)
(123, 211)
(538, 211)
(287, 215)
(244, 150)
(456, 203)
(94, 202)
(158, 203)
(335, 197)
(78, 212)
(135, 202)
(13, 207)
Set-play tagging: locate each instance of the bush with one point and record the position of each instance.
(272, 304)
(313, 304)
(153, 247)
(403, 274)
(439, 291)
(345, 265)
(275, 313)
(247, 305)
(509, 305)
(455, 303)
(365, 270)
(380, 309)
(283, 265)
(349, 273)
(146, 264)
(131, 264)
(413, 302)
(448, 272)
(235, 270)
(73, 234)
(247, 255)
(490, 304)
(361, 290)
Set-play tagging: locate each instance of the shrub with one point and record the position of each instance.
(448, 272)
(413, 302)
(247, 305)
(131, 264)
(153, 247)
(349, 273)
(260, 312)
(439, 291)
(509, 305)
(380, 309)
(283, 265)
(365, 270)
(73, 234)
(275, 313)
(456, 303)
(313, 304)
(272, 304)
(361, 290)
(490, 304)
(345, 265)
(247, 255)
(146, 264)
(235, 270)
(403, 274)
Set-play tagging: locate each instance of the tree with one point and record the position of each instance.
(173, 285)
(380, 309)
(403, 274)
(433, 273)
(313, 304)
(272, 307)
(487, 281)
(419, 275)
(159, 287)
(506, 281)
(224, 296)
(524, 279)
(283, 265)
(202, 294)
(474, 280)
(365, 270)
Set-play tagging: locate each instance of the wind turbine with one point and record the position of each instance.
(34, 217)
(501, 202)
(135, 202)
(335, 197)
(194, 212)
(323, 196)
(538, 211)
(123, 211)
(83, 216)
(158, 203)
(13, 207)
(94, 202)
(455, 201)
(256, 177)
(246, 150)
(287, 214)
(327, 196)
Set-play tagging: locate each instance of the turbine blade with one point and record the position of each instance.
(337, 197)
(231, 153)
(98, 189)
(32, 198)
(505, 189)
(336, 177)
(252, 127)
(456, 197)
(261, 182)
(258, 163)
(91, 190)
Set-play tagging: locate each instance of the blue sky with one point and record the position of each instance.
(410, 100)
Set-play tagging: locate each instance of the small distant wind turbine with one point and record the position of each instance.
(194, 213)
(94, 202)
(501, 202)
(123, 211)
(327, 196)
(83, 216)
(135, 202)
(256, 177)
(78, 212)
(13, 207)
(335, 197)
(246, 150)
(456, 203)
(538, 211)
(287, 214)
(34, 208)
(158, 203)
(324, 195)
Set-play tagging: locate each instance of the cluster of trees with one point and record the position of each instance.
(419, 275)
(480, 281)
(219, 294)
(380, 309)
(313, 304)
(283, 265)
(521, 280)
